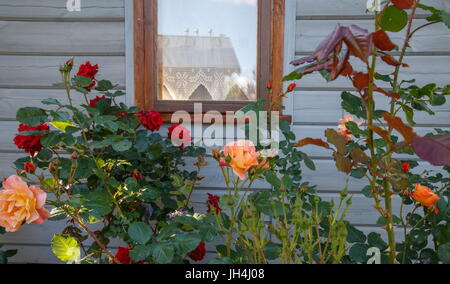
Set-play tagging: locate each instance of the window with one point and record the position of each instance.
(221, 53)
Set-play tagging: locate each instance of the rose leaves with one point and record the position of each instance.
(434, 149)
(382, 41)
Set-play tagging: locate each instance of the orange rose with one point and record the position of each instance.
(243, 157)
(20, 203)
(425, 196)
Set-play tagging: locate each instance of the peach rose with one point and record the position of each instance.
(20, 203)
(425, 196)
(343, 130)
(243, 157)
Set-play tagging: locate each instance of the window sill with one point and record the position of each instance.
(167, 118)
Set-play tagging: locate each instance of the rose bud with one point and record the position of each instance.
(74, 156)
(137, 175)
(406, 168)
(29, 168)
(270, 85)
(291, 87)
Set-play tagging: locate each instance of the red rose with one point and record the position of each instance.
(270, 85)
(292, 87)
(213, 204)
(93, 102)
(137, 175)
(123, 255)
(29, 167)
(31, 144)
(151, 120)
(180, 135)
(199, 253)
(88, 70)
(406, 167)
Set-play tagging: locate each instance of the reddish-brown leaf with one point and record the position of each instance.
(397, 123)
(348, 70)
(388, 59)
(343, 163)
(383, 133)
(331, 56)
(386, 93)
(311, 141)
(403, 4)
(382, 41)
(360, 81)
(337, 140)
(434, 149)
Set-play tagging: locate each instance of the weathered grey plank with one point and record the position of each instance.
(341, 7)
(57, 9)
(426, 69)
(311, 33)
(325, 107)
(317, 106)
(72, 37)
(42, 71)
(13, 99)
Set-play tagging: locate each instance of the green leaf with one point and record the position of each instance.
(99, 202)
(272, 178)
(66, 248)
(163, 253)
(272, 251)
(32, 116)
(355, 235)
(140, 253)
(57, 214)
(51, 140)
(140, 232)
(81, 81)
(444, 253)
(353, 104)
(409, 112)
(394, 19)
(293, 76)
(438, 100)
(104, 85)
(122, 146)
(375, 240)
(51, 101)
(309, 163)
(358, 253)
(187, 242)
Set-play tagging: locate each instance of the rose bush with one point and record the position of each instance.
(371, 150)
(104, 166)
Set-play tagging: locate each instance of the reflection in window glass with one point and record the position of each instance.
(207, 50)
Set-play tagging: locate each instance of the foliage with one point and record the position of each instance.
(372, 150)
(304, 228)
(103, 168)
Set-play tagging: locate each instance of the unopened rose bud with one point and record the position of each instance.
(67, 67)
(74, 156)
(29, 168)
(270, 85)
(291, 87)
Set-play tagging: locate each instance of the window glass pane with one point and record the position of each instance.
(207, 50)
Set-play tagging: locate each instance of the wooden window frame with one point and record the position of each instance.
(270, 59)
